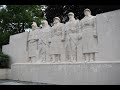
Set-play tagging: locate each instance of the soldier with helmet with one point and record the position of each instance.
(56, 41)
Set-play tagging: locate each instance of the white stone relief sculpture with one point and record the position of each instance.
(34, 26)
(71, 38)
(43, 43)
(32, 45)
(57, 41)
(70, 42)
(89, 36)
(86, 38)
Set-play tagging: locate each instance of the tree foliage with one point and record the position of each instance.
(16, 18)
(4, 60)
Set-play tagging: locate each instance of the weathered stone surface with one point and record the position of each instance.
(98, 73)
(3, 73)
(108, 29)
(17, 82)
(16, 49)
(108, 32)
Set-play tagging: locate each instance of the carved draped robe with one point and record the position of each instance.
(32, 45)
(43, 44)
(71, 39)
(88, 28)
(57, 34)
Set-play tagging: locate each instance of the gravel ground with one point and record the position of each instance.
(16, 82)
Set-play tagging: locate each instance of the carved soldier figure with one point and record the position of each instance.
(89, 35)
(71, 39)
(32, 44)
(34, 26)
(43, 43)
(57, 38)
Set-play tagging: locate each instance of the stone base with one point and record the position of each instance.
(4, 73)
(98, 73)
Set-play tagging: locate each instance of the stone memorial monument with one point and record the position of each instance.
(89, 36)
(82, 52)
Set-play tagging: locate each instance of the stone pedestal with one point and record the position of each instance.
(4, 73)
(98, 73)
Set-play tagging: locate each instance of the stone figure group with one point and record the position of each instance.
(74, 41)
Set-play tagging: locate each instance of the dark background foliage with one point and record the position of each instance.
(4, 60)
(62, 11)
(15, 19)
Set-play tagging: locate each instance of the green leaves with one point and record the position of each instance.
(19, 14)
(15, 18)
(4, 38)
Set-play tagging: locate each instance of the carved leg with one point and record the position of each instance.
(73, 59)
(59, 58)
(70, 56)
(33, 59)
(92, 56)
(84, 56)
(29, 60)
(66, 54)
(74, 52)
(54, 58)
(44, 57)
(87, 57)
(63, 57)
(51, 58)
(37, 55)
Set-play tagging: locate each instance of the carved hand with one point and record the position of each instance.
(63, 40)
(79, 36)
(95, 36)
(49, 41)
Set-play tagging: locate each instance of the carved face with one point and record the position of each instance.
(56, 21)
(87, 13)
(70, 16)
(44, 23)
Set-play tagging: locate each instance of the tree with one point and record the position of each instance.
(15, 18)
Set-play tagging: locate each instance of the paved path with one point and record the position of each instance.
(16, 82)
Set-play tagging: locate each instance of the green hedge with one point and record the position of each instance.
(4, 60)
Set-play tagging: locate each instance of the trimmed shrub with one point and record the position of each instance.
(4, 60)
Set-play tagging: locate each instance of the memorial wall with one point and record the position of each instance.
(79, 52)
(69, 42)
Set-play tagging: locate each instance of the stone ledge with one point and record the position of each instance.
(69, 74)
(93, 62)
